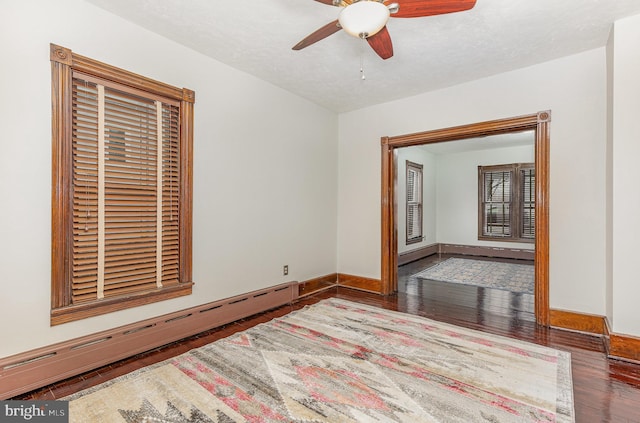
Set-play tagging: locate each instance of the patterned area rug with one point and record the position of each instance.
(338, 361)
(489, 274)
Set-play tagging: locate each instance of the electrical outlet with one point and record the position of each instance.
(285, 270)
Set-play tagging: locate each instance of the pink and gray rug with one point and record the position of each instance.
(339, 361)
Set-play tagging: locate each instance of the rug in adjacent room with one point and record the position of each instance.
(512, 277)
(340, 361)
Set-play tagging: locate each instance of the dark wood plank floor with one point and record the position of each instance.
(604, 390)
(488, 302)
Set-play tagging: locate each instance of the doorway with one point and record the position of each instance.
(539, 123)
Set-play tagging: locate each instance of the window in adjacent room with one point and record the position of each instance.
(414, 202)
(122, 188)
(507, 202)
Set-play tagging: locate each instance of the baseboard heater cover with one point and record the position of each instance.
(27, 371)
(467, 250)
(478, 250)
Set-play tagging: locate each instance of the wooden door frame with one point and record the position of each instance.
(540, 123)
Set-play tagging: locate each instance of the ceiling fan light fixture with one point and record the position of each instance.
(364, 18)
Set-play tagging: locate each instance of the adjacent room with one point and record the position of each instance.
(468, 218)
(319, 210)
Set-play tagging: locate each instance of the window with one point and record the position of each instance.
(122, 189)
(506, 196)
(414, 203)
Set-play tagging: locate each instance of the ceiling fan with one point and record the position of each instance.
(367, 19)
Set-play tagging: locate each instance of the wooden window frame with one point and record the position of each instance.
(515, 205)
(63, 64)
(418, 169)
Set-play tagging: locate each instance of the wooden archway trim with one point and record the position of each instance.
(538, 122)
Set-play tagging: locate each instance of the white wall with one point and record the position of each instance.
(429, 169)
(457, 198)
(625, 196)
(609, 182)
(451, 193)
(265, 185)
(573, 88)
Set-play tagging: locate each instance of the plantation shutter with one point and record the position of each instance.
(496, 201)
(414, 202)
(528, 221)
(126, 191)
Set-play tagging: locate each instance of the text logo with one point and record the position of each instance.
(34, 411)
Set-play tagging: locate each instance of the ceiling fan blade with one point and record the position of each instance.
(320, 34)
(418, 8)
(341, 3)
(381, 43)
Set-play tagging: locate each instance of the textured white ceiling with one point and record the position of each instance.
(433, 52)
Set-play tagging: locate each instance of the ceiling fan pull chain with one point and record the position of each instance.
(362, 75)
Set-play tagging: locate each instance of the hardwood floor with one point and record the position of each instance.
(519, 306)
(604, 390)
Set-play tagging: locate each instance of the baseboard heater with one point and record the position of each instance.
(27, 371)
(467, 250)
